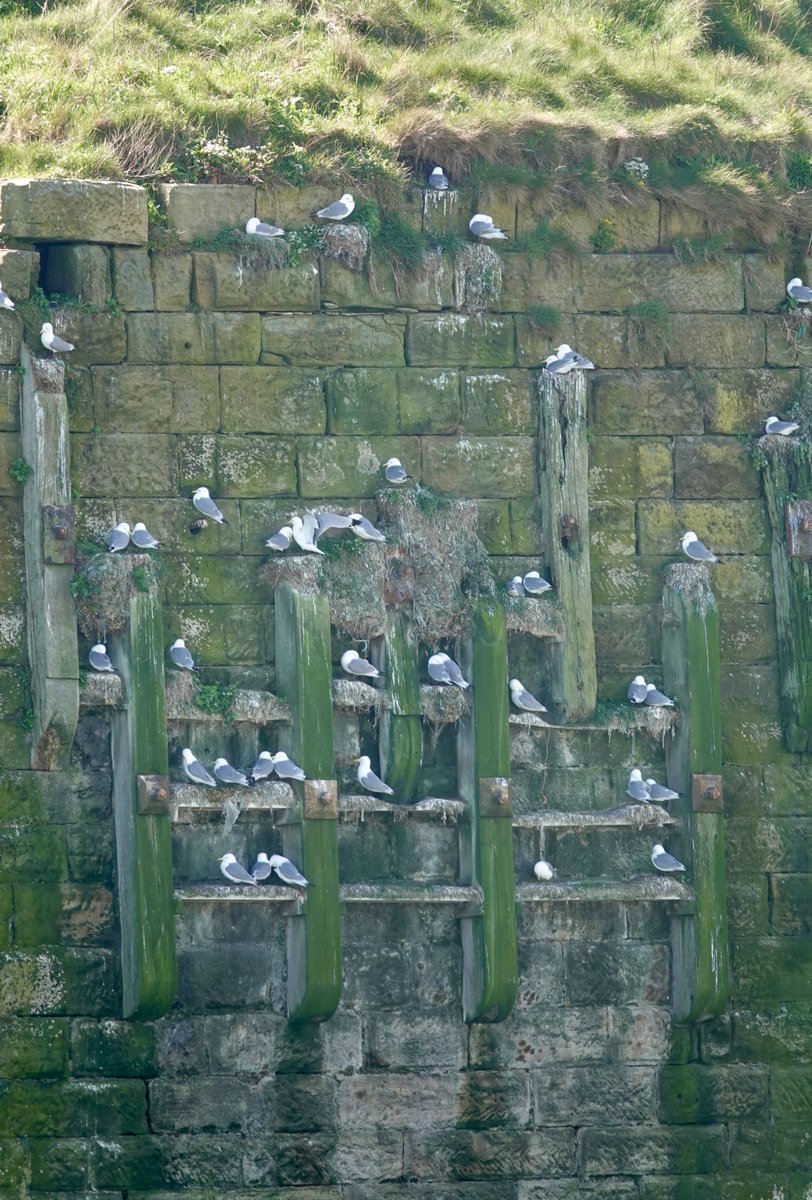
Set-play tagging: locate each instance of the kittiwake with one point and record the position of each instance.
(657, 699)
(482, 226)
(443, 669)
(286, 768)
(438, 179)
(235, 872)
(286, 871)
(695, 550)
(393, 471)
(339, 210)
(204, 504)
(330, 520)
(663, 861)
(369, 780)
(118, 538)
(514, 587)
(523, 699)
(544, 871)
(660, 793)
(50, 341)
(303, 535)
(181, 656)
(263, 767)
(782, 428)
(261, 229)
(262, 867)
(636, 691)
(796, 290)
(281, 540)
(353, 664)
(5, 300)
(99, 658)
(228, 774)
(195, 770)
(638, 790)
(142, 538)
(534, 585)
(363, 528)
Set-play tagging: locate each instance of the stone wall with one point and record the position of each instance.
(279, 388)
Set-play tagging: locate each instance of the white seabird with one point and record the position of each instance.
(523, 699)
(438, 179)
(195, 770)
(369, 780)
(142, 538)
(261, 229)
(659, 793)
(534, 585)
(181, 656)
(443, 669)
(235, 872)
(544, 871)
(204, 504)
(5, 300)
(636, 691)
(566, 359)
(514, 587)
(262, 867)
(637, 789)
(286, 768)
(303, 535)
(393, 471)
(796, 290)
(363, 528)
(50, 341)
(657, 699)
(281, 540)
(782, 428)
(695, 550)
(99, 658)
(286, 871)
(353, 664)
(330, 520)
(228, 774)
(263, 767)
(482, 226)
(118, 538)
(339, 210)
(663, 861)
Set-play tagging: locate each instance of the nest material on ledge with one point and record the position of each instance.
(540, 618)
(103, 603)
(253, 707)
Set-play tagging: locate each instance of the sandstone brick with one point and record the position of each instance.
(359, 340)
(10, 450)
(10, 337)
(533, 345)
(606, 341)
(192, 338)
(418, 1043)
(713, 467)
(454, 339)
(145, 465)
(787, 788)
(728, 527)
(222, 634)
(74, 1108)
(335, 467)
(525, 529)
(704, 1095)
(645, 402)
(769, 971)
(529, 280)
(428, 288)
(747, 633)
(490, 1154)
(778, 1036)
(34, 1048)
(493, 526)
(786, 341)
(712, 340)
(82, 271)
(741, 401)
(207, 1105)
(620, 467)
(19, 273)
(626, 634)
(747, 910)
(446, 212)
(132, 279)
(156, 399)
(225, 281)
(196, 210)
(497, 402)
(363, 401)
(9, 399)
(73, 210)
(612, 535)
(271, 400)
(400, 1101)
(494, 467)
(428, 400)
(538, 1037)
(112, 1048)
(791, 1093)
(751, 732)
(282, 204)
(765, 282)
(99, 337)
(614, 282)
(303, 1102)
(593, 1095)
(791, 907)
(171, 281)
(643, 1151)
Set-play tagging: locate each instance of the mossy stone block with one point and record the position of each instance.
(171, 281)
(783, 347)
(607, 341)
(6, 911)
(9, 399)
(222, 634)
(271, 400)
(428, 400)
(79, 395)
(525, 527)
(358, 340)
(497, 402)
(226, 281)
(71, 1109)
(765, 282)
(73, 210)
(196, 210)
(12, 591)
(345, 466)
(256, 466)
(82, 271)
(703, 1095)
(534, 345)
(67, 913)
(12, 633)
(214, 578)
(363, 400)
(156, 399)
(114, 1048)
(493, 526)
(751, 731)
(611, 535)
(132, 279)
(529, 280)
(98, 337)
(629, 466)
(14, 1167)
(10, 337)
(741, 401)
(283, 205)
(711, 467)
(645, 402)
(193, 338)
(120, 464)
(488, 467)
(446, 212)
(19, 272)
(33, 1048)
(727, 527)
(261, 518)
(768, 971)
(10, 450)
(680, 222)
(616, 282)
(626, 634)
(635, 224)
(713, 340)
(458, 340)
(382, 285)
(31, 984)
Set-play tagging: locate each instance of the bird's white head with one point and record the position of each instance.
(99, 648)
(688, 537)
(227, 859)
(650, 687)
(47, 327)
(796, 282)
(295, 523)
(658, 849)
(202, 493)
(288, 532)
(640, 679)
(771, 420)
(123, 527)
(436, 659)
(276, 860)
(532, 575)
(262, 856)
(251, 224)
(280, 756)
(178, 644)
(138, 526)
(514, 684)
(635, 775)
(516, 579)
(651, 782)
(364, 762)
(266, 755)
(543, 871)
(564, 349)
(220, 762)
(551, 358)
(393, 462)
(356, 516)
(347, 657)
(188, 757)
(347, 198)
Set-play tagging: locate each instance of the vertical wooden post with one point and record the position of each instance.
(563, 472)
(401, 723)
(700, 953)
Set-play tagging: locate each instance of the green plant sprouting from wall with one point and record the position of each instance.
(545, 319)
(20, 470)
(604, 238)
(216, 699)
(648, 327)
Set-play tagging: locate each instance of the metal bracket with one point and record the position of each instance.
(320, 800)
(494, 797)
(152, 795)
(798, 517)
(706, 793)
(58, 534)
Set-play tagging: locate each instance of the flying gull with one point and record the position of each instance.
(393, 471)
(534, 585)
(286, 768)
(330, 520)
(482, 227)
(287, 872)
(663, 861)
(99, 658)
(228, 774)
(656, 698)
(369, 780)
(195, 770)
(637, 690)
(303, 534)
(797, 291)
(263, 767)
(782, 428)
(281, 540)
(443, 669)
(659, 793)
(235, 872)
(339, 210)
(142, 538)
(695, 550)
(514, 587)
(522, 698)
(204, 504)
(261, 868)
(638, 790)
(260, 229)
(353, 664)
(5, 300)
(365, 529)
(181, 657)
(118, 538)
(438, 179)
(544, 871)
(51, 342)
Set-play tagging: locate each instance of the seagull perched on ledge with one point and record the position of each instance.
(353, 664)
(204, 504)
(443, 669)
(235, 872)
(5, 300)
(438, 179)
(481, 226)
(260, 229)
(51, 342)
(286, 871)
(695, 550)
(797, 290)
(663, 861)
(782, 428)
(339, 210)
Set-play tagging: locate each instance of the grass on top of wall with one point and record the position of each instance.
(505, 94)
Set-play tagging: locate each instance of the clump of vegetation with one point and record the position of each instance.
(20, 470)
(603, 239)
(545, 319)
(546, 241)
(704, 249)
(253, 252)
(102, 587)
(648, 326)
(216, 699)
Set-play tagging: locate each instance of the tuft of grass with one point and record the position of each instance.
(546, 241)
(544, 318)
(20, 470)
(254, 252)
(337, 548)
(648, 326)
(696, 250)
(603, 239)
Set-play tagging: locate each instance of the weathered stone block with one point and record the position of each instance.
(711, 340)
(12, 634)
(791, 904)
(768, 971)
(428, 401)
(118, 464)
(783, 347)
(9, 399)
(626, 634)
(493, 526)
(226, 281)
(612, 535)
(271, 400)
(33, 1048)
(525, 527)
(112, 1048)
(446, 212)
(98, 337)
(778, 1036)
(72, 913)
(635, 223)
(73, 210)
(491, 467)
(497, 402)
(606, 340)
(415, 1043)
(593, 1095)
(283, 204)
(156, 399)
(196, 210)
(335, 467)
(747, 911)
(747, 633)
(381, 973)
(645, 402)
(624, 466)
(19, 273)
(10, 449)
(10, 337)
(534, 345)
(72, 1109)
(171, 281)
(751, 731)
(612, 282)
(713, 467)
(82, 271)
(193, 338)
(363, 401)
(787, 788)
(741, 401)
(221, 634)
(206, 1104)
(457, 340)
(643, 1151)
(528, 280)
(764, 282)
(360, 340)
(537, 1037)
(303, 1102)
(380, 285)
(729, 527)
(490, 1154)
(791, 1093)
(697, 1095)
(132, 279)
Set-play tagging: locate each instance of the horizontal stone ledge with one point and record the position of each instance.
(188, 799)
(249, 706)
(641, 888)
(399, 893)
(218, 893)
(101, 691)
(636, 816)
(357, 807)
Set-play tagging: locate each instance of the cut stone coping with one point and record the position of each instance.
(651, 719)
(638, 816)
(404, 893)
(218, 893)
(359, 806)
(536, 616)
(251, 707)
(354, 696)
(532, 721)
(443, 705)
(101, 691)
(189, 799)
(641, 888)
